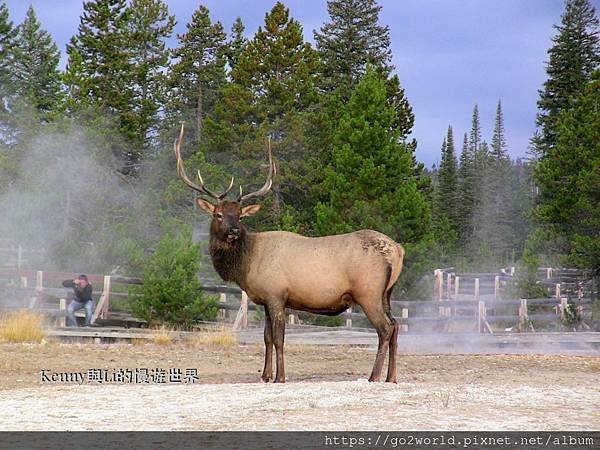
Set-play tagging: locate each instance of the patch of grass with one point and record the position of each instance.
(22, 326)
(163, 335)
(218, 337)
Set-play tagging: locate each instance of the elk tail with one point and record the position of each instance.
(393, 272)
(395, 266)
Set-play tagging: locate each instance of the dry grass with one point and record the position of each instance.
(221, 337)
(22, 326)
(163, 335)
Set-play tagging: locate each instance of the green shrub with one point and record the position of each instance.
(571, 317)
(320, 320)
(171, 293)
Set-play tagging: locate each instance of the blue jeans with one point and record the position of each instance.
(75, 306)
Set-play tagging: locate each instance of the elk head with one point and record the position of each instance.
(226, 215)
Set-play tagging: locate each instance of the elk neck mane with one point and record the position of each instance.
(230, 259)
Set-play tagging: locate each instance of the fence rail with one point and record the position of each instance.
(483, 307)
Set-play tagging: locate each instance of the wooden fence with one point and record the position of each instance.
(14, 255)
(461, 302)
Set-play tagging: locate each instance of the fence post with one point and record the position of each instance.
(548, 272)
(438, 288)
(404, 325)
(439, 284)
(244, 310)
(19, 257)
(62, 320)
(456, 287)
(557, 291)
(480, 316)
(39, 280)
(349, 321)
(222, 300)
(496, 287)
(104, 312)
(448, 309)
(291, 318)
(563, 307)
(39, 277)
(476, 288)
(23, 282)
(523, 315)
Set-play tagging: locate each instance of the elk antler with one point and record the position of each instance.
(181, 171)
(267, 186)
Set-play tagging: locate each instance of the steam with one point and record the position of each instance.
(69, 200)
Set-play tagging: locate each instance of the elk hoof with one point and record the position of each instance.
(374, 379)
(265, 379)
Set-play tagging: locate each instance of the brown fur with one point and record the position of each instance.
(323, 275)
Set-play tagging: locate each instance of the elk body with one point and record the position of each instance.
(322, 275)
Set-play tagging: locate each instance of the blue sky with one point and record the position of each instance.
(449, 54)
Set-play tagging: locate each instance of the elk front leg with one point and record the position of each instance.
(268, 370)
(278, 324)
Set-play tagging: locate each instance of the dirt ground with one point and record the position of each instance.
(326, 390)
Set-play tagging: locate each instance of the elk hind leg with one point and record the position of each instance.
(385, 330)
(391, 374)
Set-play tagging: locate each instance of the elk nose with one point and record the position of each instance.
(235, 231)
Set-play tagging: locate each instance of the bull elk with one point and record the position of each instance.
(321, 275)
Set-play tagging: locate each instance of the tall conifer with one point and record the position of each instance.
(351, 41)
(35, 65)
(573, 57)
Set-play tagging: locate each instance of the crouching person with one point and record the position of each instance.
(82, 300)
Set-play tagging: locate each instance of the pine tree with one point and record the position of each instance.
(35, 66)
(101, 48)
(470, 174)
(522, 202)
(568, 212)
(99, 78)
(7, 35)
(277, 68)
(575, 54)
(405, 118)
(494, 223)
(149, 25)
(370, 178)
(236, 44)
(271, 90)
(198, 73)
(465, 192)
(351, 41)
(475, 133)
(446, 204)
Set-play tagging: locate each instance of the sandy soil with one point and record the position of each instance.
(326, 390)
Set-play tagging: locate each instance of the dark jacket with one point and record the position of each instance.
(82, 295)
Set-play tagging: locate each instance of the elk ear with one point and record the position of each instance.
(249, 210)
(206, 206)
